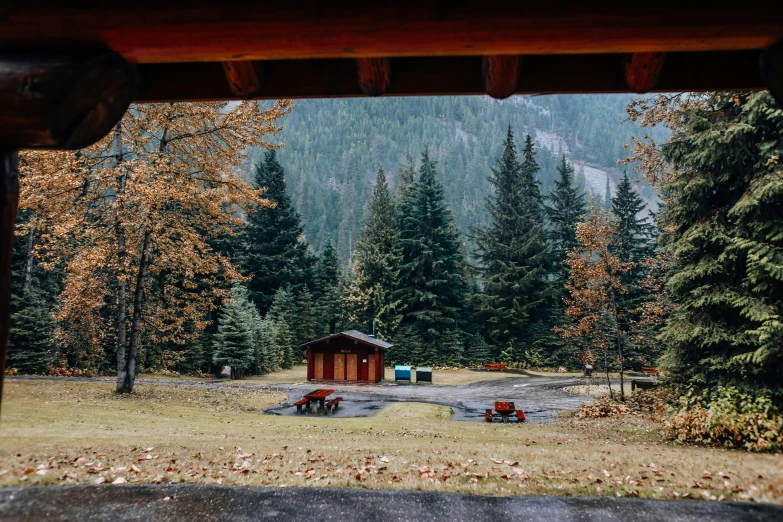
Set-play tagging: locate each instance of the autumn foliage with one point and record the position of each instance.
(131, 221)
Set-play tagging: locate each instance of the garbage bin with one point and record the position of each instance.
(423, 374)
(588, 370)
(402, 373)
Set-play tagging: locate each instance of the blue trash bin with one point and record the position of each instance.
(402, 373)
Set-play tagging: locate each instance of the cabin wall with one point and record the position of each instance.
(346, 346)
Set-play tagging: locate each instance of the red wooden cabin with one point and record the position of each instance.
(346, 356)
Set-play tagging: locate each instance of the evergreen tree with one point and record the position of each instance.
(432, 288)
(378, 256)
(30, 346)
(328, 305)
(566, 208)
(727, 239)
(281, 314)
(275, 254)
(306, 324)
(234, 341)
(633, 241)
(512, 250)
(608, 194)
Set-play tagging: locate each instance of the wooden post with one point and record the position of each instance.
(62, 100)
(501, 74)
(244, 78)
(642, 71)
(9, 200)
(374, 75)
(771, 64)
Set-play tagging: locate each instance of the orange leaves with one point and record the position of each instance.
(169, 170)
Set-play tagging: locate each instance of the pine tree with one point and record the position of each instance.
(566, 208)
(306, 323)
(726, 235)
(634, 233)
(30, 346)
(275, 254)
(608, 194)
(378, 256)
(326, 292)
(234, 341)
(511, 250)
(432, 287)
(281, 314)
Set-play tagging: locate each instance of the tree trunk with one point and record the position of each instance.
(28, 265)
(608, 381)
(122, 284)
(129, 376)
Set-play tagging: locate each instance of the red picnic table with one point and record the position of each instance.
(505, 410)
(320, 396)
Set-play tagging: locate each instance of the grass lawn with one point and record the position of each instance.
(440, 377)
(65, 432)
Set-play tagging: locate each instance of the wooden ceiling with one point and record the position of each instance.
(235, 49)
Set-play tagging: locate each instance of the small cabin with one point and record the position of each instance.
(346, 356)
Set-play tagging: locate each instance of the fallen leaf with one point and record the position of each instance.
(119, 480)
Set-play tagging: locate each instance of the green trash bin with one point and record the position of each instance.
(423, 374)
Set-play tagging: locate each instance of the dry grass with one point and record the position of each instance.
(80, 432)
(441, 377)
(597, 390)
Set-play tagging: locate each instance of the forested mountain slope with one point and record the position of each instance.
(333, 149)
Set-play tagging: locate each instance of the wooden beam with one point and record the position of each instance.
(642, 71)
(244, 78)
(501, 74)
(63, 101)
(374, 75)
(453, 75)
(771, 65)
(9, 200)
(186, 31)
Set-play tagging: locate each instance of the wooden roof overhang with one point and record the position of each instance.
(238, 49)
(353, 335)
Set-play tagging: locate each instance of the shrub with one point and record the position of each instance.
(727, 417)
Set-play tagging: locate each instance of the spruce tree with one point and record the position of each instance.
(30, 345)
(282, 314)
(326, 292)
(608, 194)
(275, 254)
(306, 323)
(512, 250)
(234, 346)
(633, 241)
(566, 208)
(432, 288)
(378, 256)
(725, 231)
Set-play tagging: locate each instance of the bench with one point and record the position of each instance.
(495, 367)
(520, 416)
(643, 385)
(649, 370)
(300, 403)
(488, 415)
(333, 404)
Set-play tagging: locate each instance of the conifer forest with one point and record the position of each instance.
(542, 232)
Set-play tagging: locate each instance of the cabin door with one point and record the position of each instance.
(371, 367)
(353, 367)
(339, 367)
(319, 366)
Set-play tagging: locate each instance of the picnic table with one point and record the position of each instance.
(505, 409)
(320, 396)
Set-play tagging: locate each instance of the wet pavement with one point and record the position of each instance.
(207, 503)
(541, 398)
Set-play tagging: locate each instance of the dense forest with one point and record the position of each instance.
(333, 148)
(463, 230)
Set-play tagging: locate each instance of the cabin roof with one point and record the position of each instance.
(356, 336)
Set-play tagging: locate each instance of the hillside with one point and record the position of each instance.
(333, 149)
